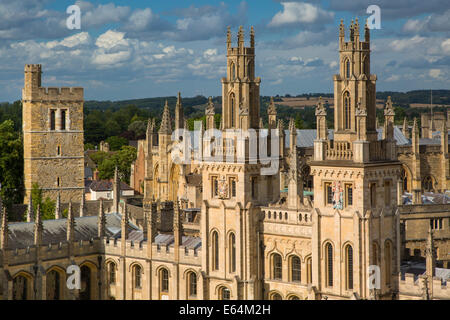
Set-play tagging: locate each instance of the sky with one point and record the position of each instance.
(148, 48)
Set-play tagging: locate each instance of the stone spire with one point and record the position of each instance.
(82, 204)
(252, 37)
(405, 128)
(272, 110)
(4, 227)
(179, 114)
(210, 113)
(415, 138)
(177, 229)
(166, 126)
(101, 225)
(38, 227)
(124, 222)
(30, 213)
(282, 135)
(58, 206)
(228, 37)
(116, 191)
(241, 37)
(366, 32)
(389, 115)
(292, 135)
(70, 224)
(261, 123)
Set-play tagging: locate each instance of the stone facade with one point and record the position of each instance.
(53, 138)
(217, 229)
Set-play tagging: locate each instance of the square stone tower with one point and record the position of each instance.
(53, 138)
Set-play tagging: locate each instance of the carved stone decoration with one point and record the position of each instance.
(338, 195)
(223, 188)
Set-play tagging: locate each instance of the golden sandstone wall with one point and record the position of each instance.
(53, 145)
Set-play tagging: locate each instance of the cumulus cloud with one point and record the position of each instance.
(439, 22)
(299, 13)
(403, 44)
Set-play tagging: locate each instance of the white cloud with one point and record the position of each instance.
(110, 39)
(392, 78)
(72, 41)
(435, 73)
(402, 44)
(445, 45)
(298, 12)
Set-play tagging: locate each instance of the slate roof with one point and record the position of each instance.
(106, 185)
(21, 235)
(306, 137)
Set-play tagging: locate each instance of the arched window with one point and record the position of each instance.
(347, 110)
(309, 270)
(192, 280)
(347, 68)
(224, 294)
(329, 264)
(427, 184)
(387, 259)
(232, 110)
(164, 280)
(275, 296)
(21, 288)
(86, 283)
(232, 246)
(54, 285)
(295, 269)
(294, 298)
(232, 71)
(375, 254)
(349, 267)
(137, 275)
(111, 267)
(277, 266)
(215, 250)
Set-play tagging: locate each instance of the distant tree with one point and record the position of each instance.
(112, 128)
(115, 143)
(122, 159)
(138, 127)
(11, 164)
(99, 156)
(299, 123)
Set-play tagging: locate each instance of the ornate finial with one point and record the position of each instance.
(388, 108)
(82, 203)
(261, 123)
(38, 226)
(252, 37)
(320, 109)
(30, 213)
(70, 224)
(342, 29)
(4, 229)
(292, 129)
(210, 107)
(101, 220)
(366, 31)
(166, 125)
(241, 36)
(271, 110)
(228, 37)
(58, 206)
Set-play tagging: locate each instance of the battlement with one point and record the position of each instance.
(33, 68)
(411, 285)
(34, 91)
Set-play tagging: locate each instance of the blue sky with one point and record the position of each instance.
(146, 48)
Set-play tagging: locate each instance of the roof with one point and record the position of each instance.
(106, 185)
(21, 235)
(306, 137)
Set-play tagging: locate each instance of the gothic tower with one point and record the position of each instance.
(53, 138)
(234, 187)
(355, 227)
(240, 89)
(354, 86)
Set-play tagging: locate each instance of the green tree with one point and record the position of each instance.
(138, 127)
(11, 164)
(47, 206)
(115, 143)
(112, 128)
(122, 159)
